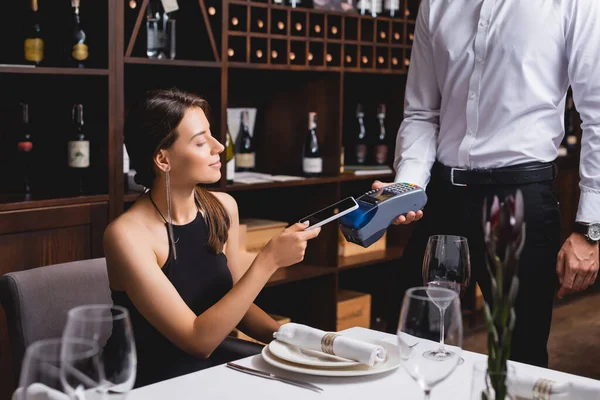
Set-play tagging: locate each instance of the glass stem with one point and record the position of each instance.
(427, 394)
(442, 311)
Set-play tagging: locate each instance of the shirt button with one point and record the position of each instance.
(480, 60)
(471, 95)
(470, 132)
(483, 23)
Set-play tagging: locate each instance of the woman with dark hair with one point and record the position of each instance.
(184, 286)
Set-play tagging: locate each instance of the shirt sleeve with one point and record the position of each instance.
(583, 54)
(416, 141)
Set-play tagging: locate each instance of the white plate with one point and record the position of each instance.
(313, 358)
(391, 362)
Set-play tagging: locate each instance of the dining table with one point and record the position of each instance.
(223, 382)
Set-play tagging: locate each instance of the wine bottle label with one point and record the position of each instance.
(381, 152)
(230, 172)
(125, 160)
(361, 153)
(244, 160)
(312, 165)
(25, 147)
(80, 52)
(34, 50)
(79, 154)
(154, 38)
(170, 5)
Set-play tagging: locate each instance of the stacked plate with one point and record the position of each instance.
(311, 362)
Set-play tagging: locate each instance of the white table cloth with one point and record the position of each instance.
(221, 382)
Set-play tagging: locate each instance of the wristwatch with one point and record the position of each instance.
(591, 231)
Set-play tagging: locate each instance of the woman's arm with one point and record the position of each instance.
(256, 323)
(132, 263)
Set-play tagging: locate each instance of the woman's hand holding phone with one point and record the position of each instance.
(289, 247)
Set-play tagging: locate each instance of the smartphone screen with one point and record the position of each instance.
(331, 213)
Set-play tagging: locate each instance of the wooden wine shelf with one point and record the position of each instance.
(299, 272)
(276, 36)
(236, 187)
(18, 202)
(52, 70)
(250, 3)
(362, 260)
(284, 67)
(174, 63)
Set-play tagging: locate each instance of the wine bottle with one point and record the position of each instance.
(79, 48)
(376, 8)
(229, 158)
(34, 40)
(312, 163)
(25, 147)
(125, 169)
(79, 150)
(570, 136)
(381, 147)
(245, 157)
(392, 9)
(364, 7)
(160, 28)
(361, 143)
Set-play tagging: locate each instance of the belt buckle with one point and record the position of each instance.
(452, 176)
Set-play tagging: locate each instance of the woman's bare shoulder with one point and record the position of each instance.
(228, 202)
(134, 223)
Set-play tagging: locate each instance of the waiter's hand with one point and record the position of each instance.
(410, 217)
(577, 264)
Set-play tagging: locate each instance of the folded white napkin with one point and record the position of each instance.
(342, 346)
(522, 386)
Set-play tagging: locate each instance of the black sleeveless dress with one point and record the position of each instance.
(202, 278)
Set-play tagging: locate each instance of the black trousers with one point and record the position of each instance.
(457, 210)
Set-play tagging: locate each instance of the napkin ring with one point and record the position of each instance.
(542, 389)
(327, 343)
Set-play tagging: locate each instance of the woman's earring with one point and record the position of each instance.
(170, 224)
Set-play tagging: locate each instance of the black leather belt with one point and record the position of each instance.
(513, 175)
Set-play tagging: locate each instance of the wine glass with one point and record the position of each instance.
(446, 264)
(58, 369)
(418, 321)
(110, 327)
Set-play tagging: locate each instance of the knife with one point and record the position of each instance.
(267, 375)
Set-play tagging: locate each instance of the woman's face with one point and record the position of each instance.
(194, 157)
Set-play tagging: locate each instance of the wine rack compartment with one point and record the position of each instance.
(259, 20)
(279, 36)
(298, 53)
(317, 25)
(298, 24)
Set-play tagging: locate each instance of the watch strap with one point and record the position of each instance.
(580, 227)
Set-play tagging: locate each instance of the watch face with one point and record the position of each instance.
(594, 231)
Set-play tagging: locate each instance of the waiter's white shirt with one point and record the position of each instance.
(487, 84)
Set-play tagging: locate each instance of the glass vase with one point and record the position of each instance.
(481, 384)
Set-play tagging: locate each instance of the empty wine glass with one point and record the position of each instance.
(418, 321)
(446, 264)
(110, 327)
(58, 369)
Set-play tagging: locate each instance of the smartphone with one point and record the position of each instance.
(331, 213)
